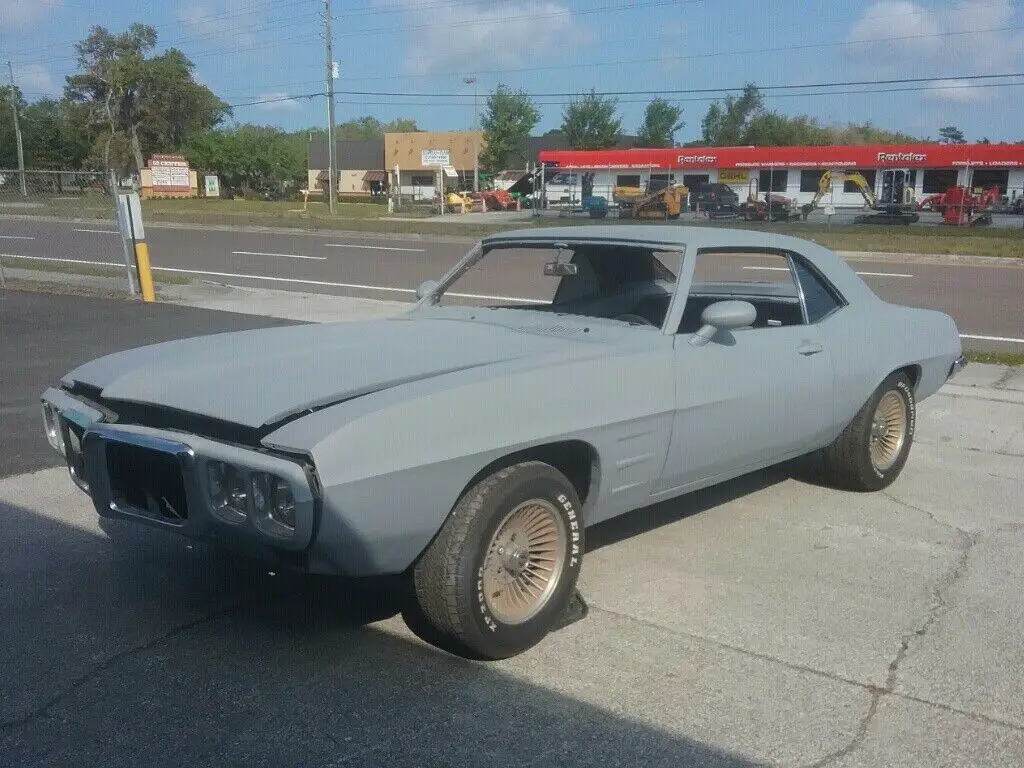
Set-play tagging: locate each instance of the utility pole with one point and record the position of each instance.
(17, 132)
(331, 159)
(476, 148)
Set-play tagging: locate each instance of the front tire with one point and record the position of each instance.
(503, 568)
(871, 452)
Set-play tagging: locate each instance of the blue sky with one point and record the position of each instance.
(254, 50)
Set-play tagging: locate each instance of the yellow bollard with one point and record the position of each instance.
(145, 271)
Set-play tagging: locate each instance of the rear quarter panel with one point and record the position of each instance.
(870, 340)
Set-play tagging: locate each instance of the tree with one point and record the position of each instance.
(368, 127)
(952, 135)
(591, 123)
(255, 156)
(725, 124)
(142, 104)
(507, 121)
(771, 129)
(57, 135)
(661, 121)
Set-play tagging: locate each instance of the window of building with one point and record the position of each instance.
(869, 177)
(986, 177)
(658, 181)
(776, 181)
(809, 180)
(422, 180)
(935, 182)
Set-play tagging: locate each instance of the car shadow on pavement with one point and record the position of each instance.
(142, 648)
(664, 513)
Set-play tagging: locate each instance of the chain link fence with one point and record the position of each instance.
(57, 194)
(89, 196)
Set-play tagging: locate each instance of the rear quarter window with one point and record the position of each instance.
(820, 298)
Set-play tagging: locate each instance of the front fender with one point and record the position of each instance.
(393, 464)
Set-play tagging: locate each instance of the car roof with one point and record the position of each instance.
(674, 236)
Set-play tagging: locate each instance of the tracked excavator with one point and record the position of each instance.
(895, 206)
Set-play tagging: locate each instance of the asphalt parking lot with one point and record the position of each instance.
(767, 621)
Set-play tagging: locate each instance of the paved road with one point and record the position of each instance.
(45, 336)
(767, 621)
(984, 300)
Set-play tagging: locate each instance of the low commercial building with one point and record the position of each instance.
(359, 163)
(792, 171)
(367, 167)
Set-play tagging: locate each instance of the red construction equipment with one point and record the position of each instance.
(498, 200)
(939, 203)
(963, 209)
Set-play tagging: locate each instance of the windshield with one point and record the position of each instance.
(629, 283)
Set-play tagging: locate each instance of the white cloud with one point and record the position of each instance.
(21, 13)
(278, 101)
(933, 45)
(443, 38)
(34, 80)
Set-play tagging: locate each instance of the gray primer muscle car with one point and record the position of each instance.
(465, 448)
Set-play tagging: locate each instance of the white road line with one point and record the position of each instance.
(325, 283)
(100, 231)
(991, 338)
(16, 237)
(284, 255)
(884, 274)
(870, 274)
(372, 247)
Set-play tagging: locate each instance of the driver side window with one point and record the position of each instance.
(761, 278)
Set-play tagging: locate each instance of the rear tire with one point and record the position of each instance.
(503, 568)
(870, 453)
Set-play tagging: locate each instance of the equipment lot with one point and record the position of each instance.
(768, 621)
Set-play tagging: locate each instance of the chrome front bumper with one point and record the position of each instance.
(160, 478)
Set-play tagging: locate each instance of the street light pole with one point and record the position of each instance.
(476, 148)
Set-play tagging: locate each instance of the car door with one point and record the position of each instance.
(749, 397)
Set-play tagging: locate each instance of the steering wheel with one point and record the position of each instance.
(629, 317)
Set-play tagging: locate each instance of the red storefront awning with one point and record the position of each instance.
(864, 156)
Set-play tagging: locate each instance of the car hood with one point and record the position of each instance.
(262, 377)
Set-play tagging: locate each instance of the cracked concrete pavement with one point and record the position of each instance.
(768, 621)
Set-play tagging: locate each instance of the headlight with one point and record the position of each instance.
(227, 491)
(273, 498)
(51, 425)
(235, 495)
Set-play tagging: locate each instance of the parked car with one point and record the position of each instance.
(466, 446)
(714, 199)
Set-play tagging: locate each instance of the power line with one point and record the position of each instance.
(432, 99)
(669, 91)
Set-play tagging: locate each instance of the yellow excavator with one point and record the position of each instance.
(666, 203)
(897, 205)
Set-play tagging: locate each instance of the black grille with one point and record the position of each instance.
(147, 481)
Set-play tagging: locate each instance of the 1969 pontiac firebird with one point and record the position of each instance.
(464, 446)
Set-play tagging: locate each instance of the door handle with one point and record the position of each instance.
(809, 348)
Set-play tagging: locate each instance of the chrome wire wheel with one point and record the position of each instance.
(524, 561)
(888, 430)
